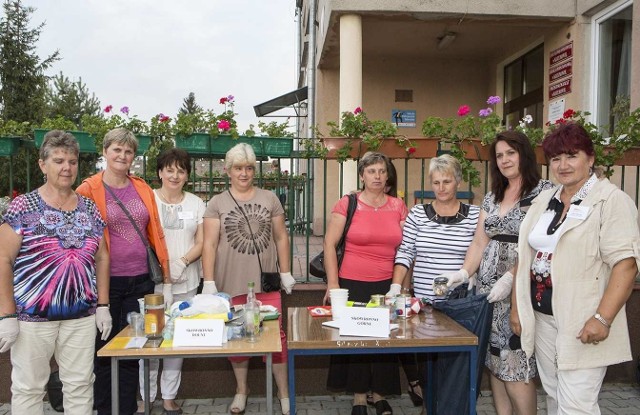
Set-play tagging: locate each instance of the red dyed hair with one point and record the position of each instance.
(567, 138)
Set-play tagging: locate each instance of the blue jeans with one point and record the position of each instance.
(123, 298)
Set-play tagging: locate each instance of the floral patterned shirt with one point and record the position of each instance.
(54, 272)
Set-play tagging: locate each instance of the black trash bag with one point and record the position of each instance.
(54, 390)
(451, 378)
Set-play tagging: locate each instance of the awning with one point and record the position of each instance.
(283, 101)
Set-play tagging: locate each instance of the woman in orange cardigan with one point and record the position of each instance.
(129, 276)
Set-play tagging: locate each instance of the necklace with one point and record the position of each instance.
(167, 200)
(57, 204)
(375, 204)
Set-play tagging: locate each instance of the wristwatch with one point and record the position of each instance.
(103, 305)
(601, 319)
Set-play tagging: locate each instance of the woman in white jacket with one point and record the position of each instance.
(578, 257)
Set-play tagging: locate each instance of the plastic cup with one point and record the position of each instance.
(136, 320)
(339, 297)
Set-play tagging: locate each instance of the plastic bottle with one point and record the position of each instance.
(251, 315)
(167, 333)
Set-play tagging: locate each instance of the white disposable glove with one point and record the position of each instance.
(502, 288)
(394, 290)
(287, 282)
(103, 322)
(9, 330)
(472, 282)
(167, 293)
(177, 268)
(209, 287)
(456, 278)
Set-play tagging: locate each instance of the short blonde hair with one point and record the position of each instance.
(241, 153)
(121, 136)
(446, 164)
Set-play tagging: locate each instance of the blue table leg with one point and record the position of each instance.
(292, 382)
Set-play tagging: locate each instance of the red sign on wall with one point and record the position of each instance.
(563, 52)
(561, 70)
(560, 88)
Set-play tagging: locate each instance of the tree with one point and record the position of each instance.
(22, 80)
(22, 87)
(70, 99)
(189, 105)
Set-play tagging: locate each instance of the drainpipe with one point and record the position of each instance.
(311, 71)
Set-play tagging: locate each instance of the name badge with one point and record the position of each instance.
(578, 212)
(198, 332)
(185, 215)
(365, 322)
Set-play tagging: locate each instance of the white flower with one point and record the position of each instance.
(528, 119)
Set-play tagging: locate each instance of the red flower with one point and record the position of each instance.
(568, 113)
(14, 194)
(463, 110)
(108, 108)
(164, 118)
(411, 150)
(224, 125)
(223, 100)
(357, 111)
(561, 121)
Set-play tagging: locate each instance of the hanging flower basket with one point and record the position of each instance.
(422, 148)
(85, 140)
(202, 144)
(9, 146)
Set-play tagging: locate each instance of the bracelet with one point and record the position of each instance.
(185, 260)
(12, 315)
(601, 319)
(103, 305)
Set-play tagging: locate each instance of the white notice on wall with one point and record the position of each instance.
(198, 332)
(556, 109)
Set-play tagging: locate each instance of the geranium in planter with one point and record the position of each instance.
(356, 129)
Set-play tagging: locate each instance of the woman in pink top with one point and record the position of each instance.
(366, 269)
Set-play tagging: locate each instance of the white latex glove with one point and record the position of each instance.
(287, 282)
(177, 268)
(472, 283)
(167, 293)
(209, 287)
(394, 290)
(9, 330)
(456, 278)
(103, 322)
(502, 288)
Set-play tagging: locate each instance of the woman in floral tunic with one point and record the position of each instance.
(515, 182)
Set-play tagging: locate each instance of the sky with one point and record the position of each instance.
(149, 54)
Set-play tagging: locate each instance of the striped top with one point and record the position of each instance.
(437, 244)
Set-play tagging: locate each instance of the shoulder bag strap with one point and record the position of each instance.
(351, 210)
(250, 230)
(126, 212)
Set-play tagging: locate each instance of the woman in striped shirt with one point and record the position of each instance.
(436, 236)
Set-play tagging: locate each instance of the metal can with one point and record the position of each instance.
(403, 305)
(377, 300)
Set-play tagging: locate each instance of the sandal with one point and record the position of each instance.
(370, 399)
(359, 410)
(284, 406)
(415, 397)
(383, 407)
(239, 404)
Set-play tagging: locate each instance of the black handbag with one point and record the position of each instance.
(54, 390)
(316, 266)
(155, 270)
(269, 281)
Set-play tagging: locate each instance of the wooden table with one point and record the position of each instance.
(268, 344)
(428, 332)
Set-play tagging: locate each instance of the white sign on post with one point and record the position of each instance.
(365, 322)
(198, 332)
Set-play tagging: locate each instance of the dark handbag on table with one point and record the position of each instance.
(269, 281)
(316, 266)
(155, 270)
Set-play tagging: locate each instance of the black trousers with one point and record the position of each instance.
(377, 373)
(123, 298)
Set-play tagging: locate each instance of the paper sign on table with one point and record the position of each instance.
(366, 322)
(198, 332)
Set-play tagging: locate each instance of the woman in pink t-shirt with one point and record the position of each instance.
(366, 269)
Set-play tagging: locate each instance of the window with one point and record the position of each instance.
(612, 62)
(523, 88)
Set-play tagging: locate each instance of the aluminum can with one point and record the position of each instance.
(403, 305)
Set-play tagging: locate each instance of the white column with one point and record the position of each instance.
(350, 80)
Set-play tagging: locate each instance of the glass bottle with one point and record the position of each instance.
(251, 315)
